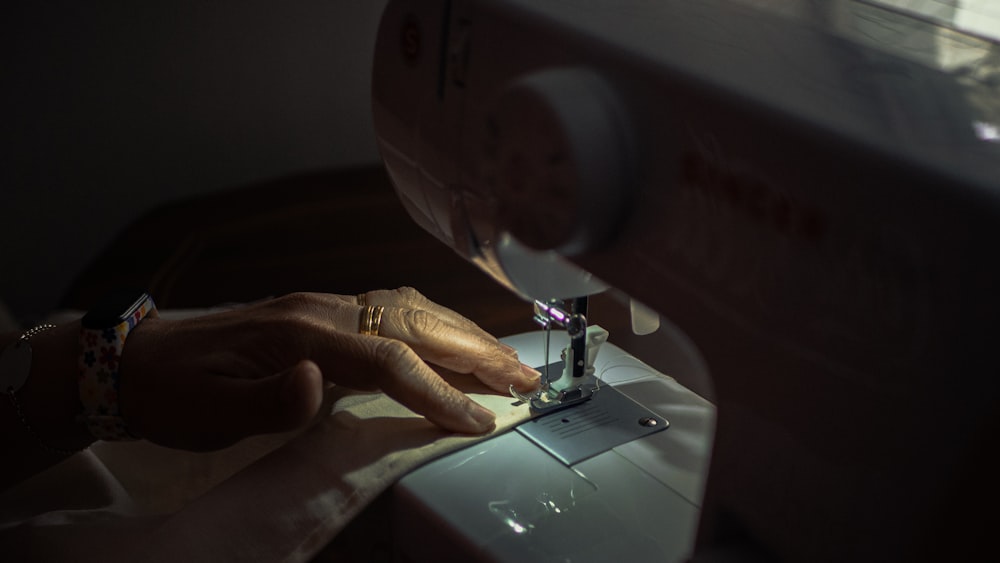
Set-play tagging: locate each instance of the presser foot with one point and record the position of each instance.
(547, 399)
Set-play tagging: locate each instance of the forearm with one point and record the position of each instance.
(49, 403)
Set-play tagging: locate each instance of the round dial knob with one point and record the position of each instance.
(557, 155)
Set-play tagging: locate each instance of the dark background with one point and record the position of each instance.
(112, 109)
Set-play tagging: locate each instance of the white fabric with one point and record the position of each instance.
(270, 498)
(76, 511)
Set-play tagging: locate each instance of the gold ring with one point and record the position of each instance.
(370, 319)
(362, 299)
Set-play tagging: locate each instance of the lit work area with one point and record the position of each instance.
(615, 280)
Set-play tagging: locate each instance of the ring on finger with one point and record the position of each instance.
(370, 319)
(362, 299)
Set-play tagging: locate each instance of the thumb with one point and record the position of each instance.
(299, 396)
(282, 402)
(286, 401)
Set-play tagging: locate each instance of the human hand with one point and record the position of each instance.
(207, 382)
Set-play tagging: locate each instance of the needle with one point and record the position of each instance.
(548, 332)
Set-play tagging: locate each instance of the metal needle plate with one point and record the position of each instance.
(579, 432)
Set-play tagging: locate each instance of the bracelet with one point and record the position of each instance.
(15, 367)
(102, 342)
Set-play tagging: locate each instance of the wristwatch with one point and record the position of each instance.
(103, 333)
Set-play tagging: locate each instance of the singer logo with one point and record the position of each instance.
(753, 196)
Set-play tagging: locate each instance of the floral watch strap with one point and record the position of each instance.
(101, 351)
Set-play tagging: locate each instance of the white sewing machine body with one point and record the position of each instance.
(506, 499)
(815, 208)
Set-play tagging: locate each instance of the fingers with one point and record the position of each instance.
(458, 349)
(398, 371)
(443, 337)
(440, 336)
(409, 298)
(412, 329)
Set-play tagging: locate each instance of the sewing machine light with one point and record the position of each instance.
(985, 131)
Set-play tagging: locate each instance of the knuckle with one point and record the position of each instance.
(390, 354)
(421, 322)
(296, 301)
(295, 313)
(410, 296)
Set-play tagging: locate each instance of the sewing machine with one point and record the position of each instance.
(806, 193)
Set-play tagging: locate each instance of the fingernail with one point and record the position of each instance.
(530, 372)
(485, 419)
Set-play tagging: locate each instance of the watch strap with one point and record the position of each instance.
(100, 365)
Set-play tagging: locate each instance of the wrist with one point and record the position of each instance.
(104, 333)
(137, 361)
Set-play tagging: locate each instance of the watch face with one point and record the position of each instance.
(114, 309)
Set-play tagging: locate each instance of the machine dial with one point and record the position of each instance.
(557, 159)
